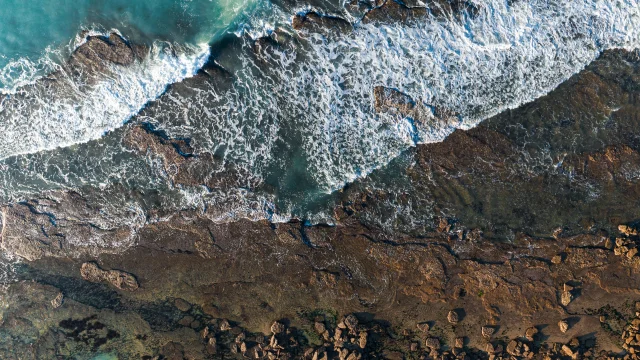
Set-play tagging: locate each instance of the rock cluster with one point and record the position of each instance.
(631, 336)
(574, 349)
(347, 340)
(625, 246)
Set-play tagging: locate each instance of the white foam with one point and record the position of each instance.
(506, 57)
(39, 118)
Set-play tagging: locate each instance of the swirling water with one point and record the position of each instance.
(304, 124)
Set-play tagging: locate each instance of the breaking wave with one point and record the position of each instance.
(40, 117)
(302, 119)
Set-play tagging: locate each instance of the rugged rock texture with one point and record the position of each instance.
(122, 280)
(392, 101)
(252, 273)
(315, 22)
(98, 52)
(564, 285)
(533, 253)
(60, 224)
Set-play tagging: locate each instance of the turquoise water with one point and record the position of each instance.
(35, 33)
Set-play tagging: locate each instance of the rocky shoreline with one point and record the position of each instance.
(533, 252)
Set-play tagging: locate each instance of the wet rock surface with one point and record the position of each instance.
(98, 52)
(534, 254)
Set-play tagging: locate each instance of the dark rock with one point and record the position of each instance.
(98, 52)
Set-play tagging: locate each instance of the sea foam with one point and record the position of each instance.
(41, 117)
(504, 57)
(312, 106)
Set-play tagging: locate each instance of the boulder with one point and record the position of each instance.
(277, 328)
(351, 322)
(57, 301)
(432, 343)
(566, 297)
(564, 326)
(530, 333)
(488, 331)
(98, 52)
(453, 317)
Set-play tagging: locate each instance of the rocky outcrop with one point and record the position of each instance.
(214, 290)
(62, 224)
(314, 22)
(181, 164)
(98, 52)
(395, 102)
(91, 272)
(409, 11)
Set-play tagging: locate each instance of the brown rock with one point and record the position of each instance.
(608, 244)
(362, 342)
(453, 317)
(182, 305)
(512, 348)
(91, 272)
(351, 322)
(531, 333)
(627, 230)
(459, 342)
(563, 325)
(212, 345)
(315, 22)
(432, 343)
(423, 326)
(277, 328)
(224, 325)
(565, 298)
(567, 351)
(488, 331)
(557, 259)
(99, 51)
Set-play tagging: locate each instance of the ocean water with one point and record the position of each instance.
(37, 35)
(297, 122)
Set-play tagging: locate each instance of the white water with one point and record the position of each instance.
(38, 118)
(504, 58)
